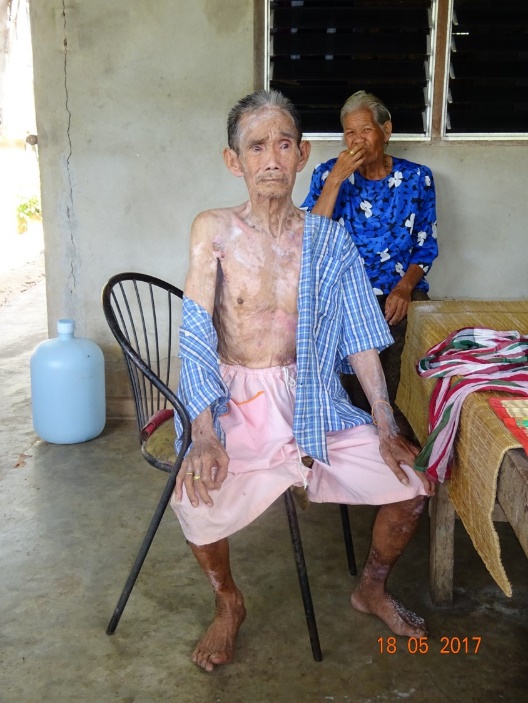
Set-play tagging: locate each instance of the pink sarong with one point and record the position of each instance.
(265, 460)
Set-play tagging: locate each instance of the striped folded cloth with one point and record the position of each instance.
(485, 360)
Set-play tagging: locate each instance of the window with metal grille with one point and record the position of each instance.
(322, 51)
(488, 68)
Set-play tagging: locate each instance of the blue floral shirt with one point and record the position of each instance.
(392, 221)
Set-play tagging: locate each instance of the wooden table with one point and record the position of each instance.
(486, 469)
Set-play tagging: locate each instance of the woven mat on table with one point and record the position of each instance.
(514, 414)
(482, 439)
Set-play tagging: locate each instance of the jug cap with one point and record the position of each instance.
(65, 326)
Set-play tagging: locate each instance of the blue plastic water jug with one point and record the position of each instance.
(68, 388)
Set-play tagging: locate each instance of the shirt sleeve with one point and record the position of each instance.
(200, 385)
(425, 249)
(364, 326)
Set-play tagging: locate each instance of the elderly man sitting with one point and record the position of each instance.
(276, 305)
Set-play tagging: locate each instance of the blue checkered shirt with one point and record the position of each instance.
(338, 316)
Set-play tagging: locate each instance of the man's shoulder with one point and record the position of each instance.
(209, 222)
(217, 213)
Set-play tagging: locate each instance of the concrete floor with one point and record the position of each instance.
(72, 519)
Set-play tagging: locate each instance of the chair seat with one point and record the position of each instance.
(160, 444)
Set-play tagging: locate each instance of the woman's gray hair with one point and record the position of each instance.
(253, 103)
(363, 100)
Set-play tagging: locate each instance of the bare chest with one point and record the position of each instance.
(259, 274)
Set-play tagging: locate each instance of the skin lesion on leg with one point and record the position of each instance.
(394, 526)
(217, 646)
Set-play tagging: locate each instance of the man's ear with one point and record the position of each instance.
(232, 162)
(305, 149)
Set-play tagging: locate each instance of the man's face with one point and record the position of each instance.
(268, 156)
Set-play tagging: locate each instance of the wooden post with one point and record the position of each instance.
(442, 547)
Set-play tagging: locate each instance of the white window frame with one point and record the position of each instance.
(466, 136)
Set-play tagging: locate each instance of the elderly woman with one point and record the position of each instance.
(388, 206)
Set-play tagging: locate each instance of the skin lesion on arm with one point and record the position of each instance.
(367, 367)
(200, 283)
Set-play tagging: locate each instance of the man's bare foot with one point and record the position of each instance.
(400, 620)
(217, 646)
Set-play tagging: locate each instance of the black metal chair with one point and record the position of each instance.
(144, 315)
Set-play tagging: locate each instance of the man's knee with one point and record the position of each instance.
(415, 506)
(405, 510)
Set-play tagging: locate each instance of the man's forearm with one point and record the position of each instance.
(367, 367)
(202, 426)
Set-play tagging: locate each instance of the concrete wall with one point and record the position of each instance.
(131, 124)
(132, 100)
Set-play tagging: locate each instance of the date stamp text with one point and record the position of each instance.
(422, 645)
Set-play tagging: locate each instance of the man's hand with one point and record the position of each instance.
(396, 450)
(204, 469)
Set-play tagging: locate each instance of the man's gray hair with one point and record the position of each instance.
(363, 100)
(253, 103)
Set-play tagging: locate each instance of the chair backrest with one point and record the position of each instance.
(144, 314)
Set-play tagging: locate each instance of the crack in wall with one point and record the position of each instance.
(69, 206)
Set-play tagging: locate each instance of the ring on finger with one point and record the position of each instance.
(197, 477)
(188, 473)
(352, 152)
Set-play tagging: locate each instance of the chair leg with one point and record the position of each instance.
(303, 576)
(143, 550)
(349, 545)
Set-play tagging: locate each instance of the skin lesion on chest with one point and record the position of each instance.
(267, 313)
(263, 299)
(256, 309)
(257, 336)
(218, 250)
(261, 279)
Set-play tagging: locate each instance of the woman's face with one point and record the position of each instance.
(361, 129)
